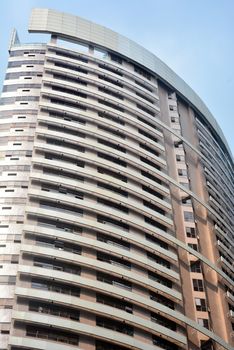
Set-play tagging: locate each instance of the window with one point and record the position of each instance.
(115, 281)
(111, 93)
(114, 302)
(146, 134)
(112, 145)
(180, 158)
(110, 259)
(112, 159)
(198, 285)
(149, 149)
(200, 304)
(150, 163)
(112, 174)
(52, 334)
(195, 266)
(151, 177)
(112, 189)
(100, 345)
(193, 246)
(157, 241)
(162, 300)
(153, 207)
(159, 260)
(146, 110)
(113, 241)
(57, 265)
(182, 172)
(116, 58)
(56, 287)
(52, 309)
(151, 191)
(121, 327)
(155, 223)
(163, 343)
(112, 222)
(160, 279)
(142, 72)
(163, 321)
(188, 216)
(190, 232)
(203, 322)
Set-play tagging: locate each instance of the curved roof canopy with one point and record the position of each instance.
(79, 29)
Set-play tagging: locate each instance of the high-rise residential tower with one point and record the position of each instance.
(116, 182)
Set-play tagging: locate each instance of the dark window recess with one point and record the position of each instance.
(66, 130)
(157, 241)
(153, 207)
(155, 223)
(162, 300)
(149, 189)
(67, 117)
(163, 321)
(182, 172)
(100, 345)
(116, 58)
(191, 232)
(151, 177)
(52, 334)
(142, 72)
(70, 66)
(146, 110)
(60, 189)
(160, 279)
(112, 145)
(112, 189)
(69, 91)
(110, 69)
(186, 200)
(111, 93)
(158, 260)
(121, 327)
(109, 80)
(111, 117)
(143, 86)
(149, 149)
(61, 225)
(113, 241)
(163, 343)
(65, 144)
(52, 309)
(52, 264)
(146, 134)
(113, 205)
(115, 281)
(63, 158)
(74, 56)
(145, 97)
(65, 77)
(65, 103)
(193, 246)
(111, 131)
(110, 259)
(110, 221)
(114, 302)
(58, 244)
(112, 159)
(147, 122)
(63, 173)
(60, 206)
(56, 287)
(200, 304)
(111, 105)
(112, 174)
(198, 285)
(195, 266)
(208, 344)
(150, 163)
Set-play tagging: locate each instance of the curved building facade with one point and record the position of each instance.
(116, 189)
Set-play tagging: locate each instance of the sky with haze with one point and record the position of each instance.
(193, 37)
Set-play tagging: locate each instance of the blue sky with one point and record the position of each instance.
(194, 37)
